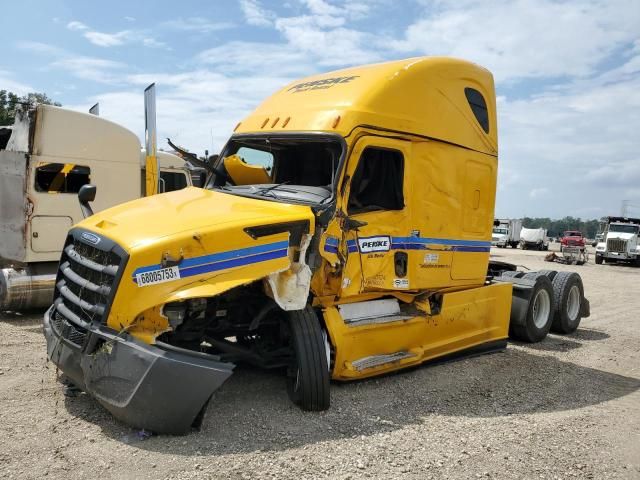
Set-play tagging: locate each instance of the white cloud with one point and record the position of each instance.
(75, 25)
(255, 14)
(102, 39)
(253, 58)
(89, 68)
(196, 24)
(8, 83)
(525, 38)
(538, 192)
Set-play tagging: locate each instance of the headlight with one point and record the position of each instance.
(600, 247)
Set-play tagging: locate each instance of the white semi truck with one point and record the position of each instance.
(534, 239)
(506, 233)
(620, 241)
(45, 157)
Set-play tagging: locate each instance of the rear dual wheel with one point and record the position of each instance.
(568, 295)
(539, 315)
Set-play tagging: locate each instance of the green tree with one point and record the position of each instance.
(9, 101)
(555, 228)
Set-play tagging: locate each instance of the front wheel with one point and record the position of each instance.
(308, 374)
(599, 259)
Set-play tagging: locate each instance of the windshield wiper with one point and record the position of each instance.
(272, 187)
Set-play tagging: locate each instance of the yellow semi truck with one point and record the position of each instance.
(344, 233)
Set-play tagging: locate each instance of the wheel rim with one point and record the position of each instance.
(573, 303)
(541, 308)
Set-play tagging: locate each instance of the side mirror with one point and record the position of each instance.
(496, 223)
(86, 194)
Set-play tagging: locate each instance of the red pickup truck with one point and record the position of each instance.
(572, 238)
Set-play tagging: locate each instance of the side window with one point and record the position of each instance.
(173, 181)
(377, 182)
(478, 107)
(260, 158)
(61, 177)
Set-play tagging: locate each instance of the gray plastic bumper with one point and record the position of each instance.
(161, 390)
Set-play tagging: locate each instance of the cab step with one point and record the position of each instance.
(372, 312)
(377, 360)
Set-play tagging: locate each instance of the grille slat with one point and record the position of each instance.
(89, 263)
(81, 282)
(75, 299)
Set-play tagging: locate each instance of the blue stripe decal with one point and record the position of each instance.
(417, 243)
(235, 262)
(332, 241)
(212, 262)
(441, 241)
(471, 249)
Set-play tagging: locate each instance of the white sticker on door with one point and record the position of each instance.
(431, 258)
(400, 283)
(374, 244)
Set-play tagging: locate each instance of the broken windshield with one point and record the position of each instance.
(293, 168)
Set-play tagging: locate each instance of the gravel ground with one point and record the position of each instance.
(567, 407)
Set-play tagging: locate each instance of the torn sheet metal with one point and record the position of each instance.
(290, 288)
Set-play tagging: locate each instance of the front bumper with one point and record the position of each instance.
(161, 390)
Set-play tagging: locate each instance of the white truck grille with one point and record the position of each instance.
(616, 245)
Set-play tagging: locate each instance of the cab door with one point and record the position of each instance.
(377, 217)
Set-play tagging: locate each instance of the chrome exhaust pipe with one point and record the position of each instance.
(27, 288)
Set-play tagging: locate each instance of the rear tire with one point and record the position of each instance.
(308, 379)
(539, 312)
(568, 294)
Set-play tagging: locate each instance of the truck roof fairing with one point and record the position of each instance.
(423, 96)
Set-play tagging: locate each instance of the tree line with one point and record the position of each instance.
(555, 228)
(9, 102)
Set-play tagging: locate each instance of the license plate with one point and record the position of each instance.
(157, 276)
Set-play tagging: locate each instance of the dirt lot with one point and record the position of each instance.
(567, 407)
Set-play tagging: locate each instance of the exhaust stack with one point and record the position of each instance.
(152, 168)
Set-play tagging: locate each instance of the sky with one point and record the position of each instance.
(567, 74)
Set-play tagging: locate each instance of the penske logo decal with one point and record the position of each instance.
(154, 274)
(321, 84)
(374, 244)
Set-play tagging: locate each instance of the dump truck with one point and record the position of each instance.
(620, 242)
(506, 233)
(344, 232)
(45, 158)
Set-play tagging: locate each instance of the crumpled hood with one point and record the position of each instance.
(189, 211)
(194, 243)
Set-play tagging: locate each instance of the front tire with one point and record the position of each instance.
(308, 376)
(568, 293)
(599, 259)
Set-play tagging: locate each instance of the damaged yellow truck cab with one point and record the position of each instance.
(344, 233)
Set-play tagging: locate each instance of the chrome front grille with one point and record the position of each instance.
(86, 281)
(616, 245)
